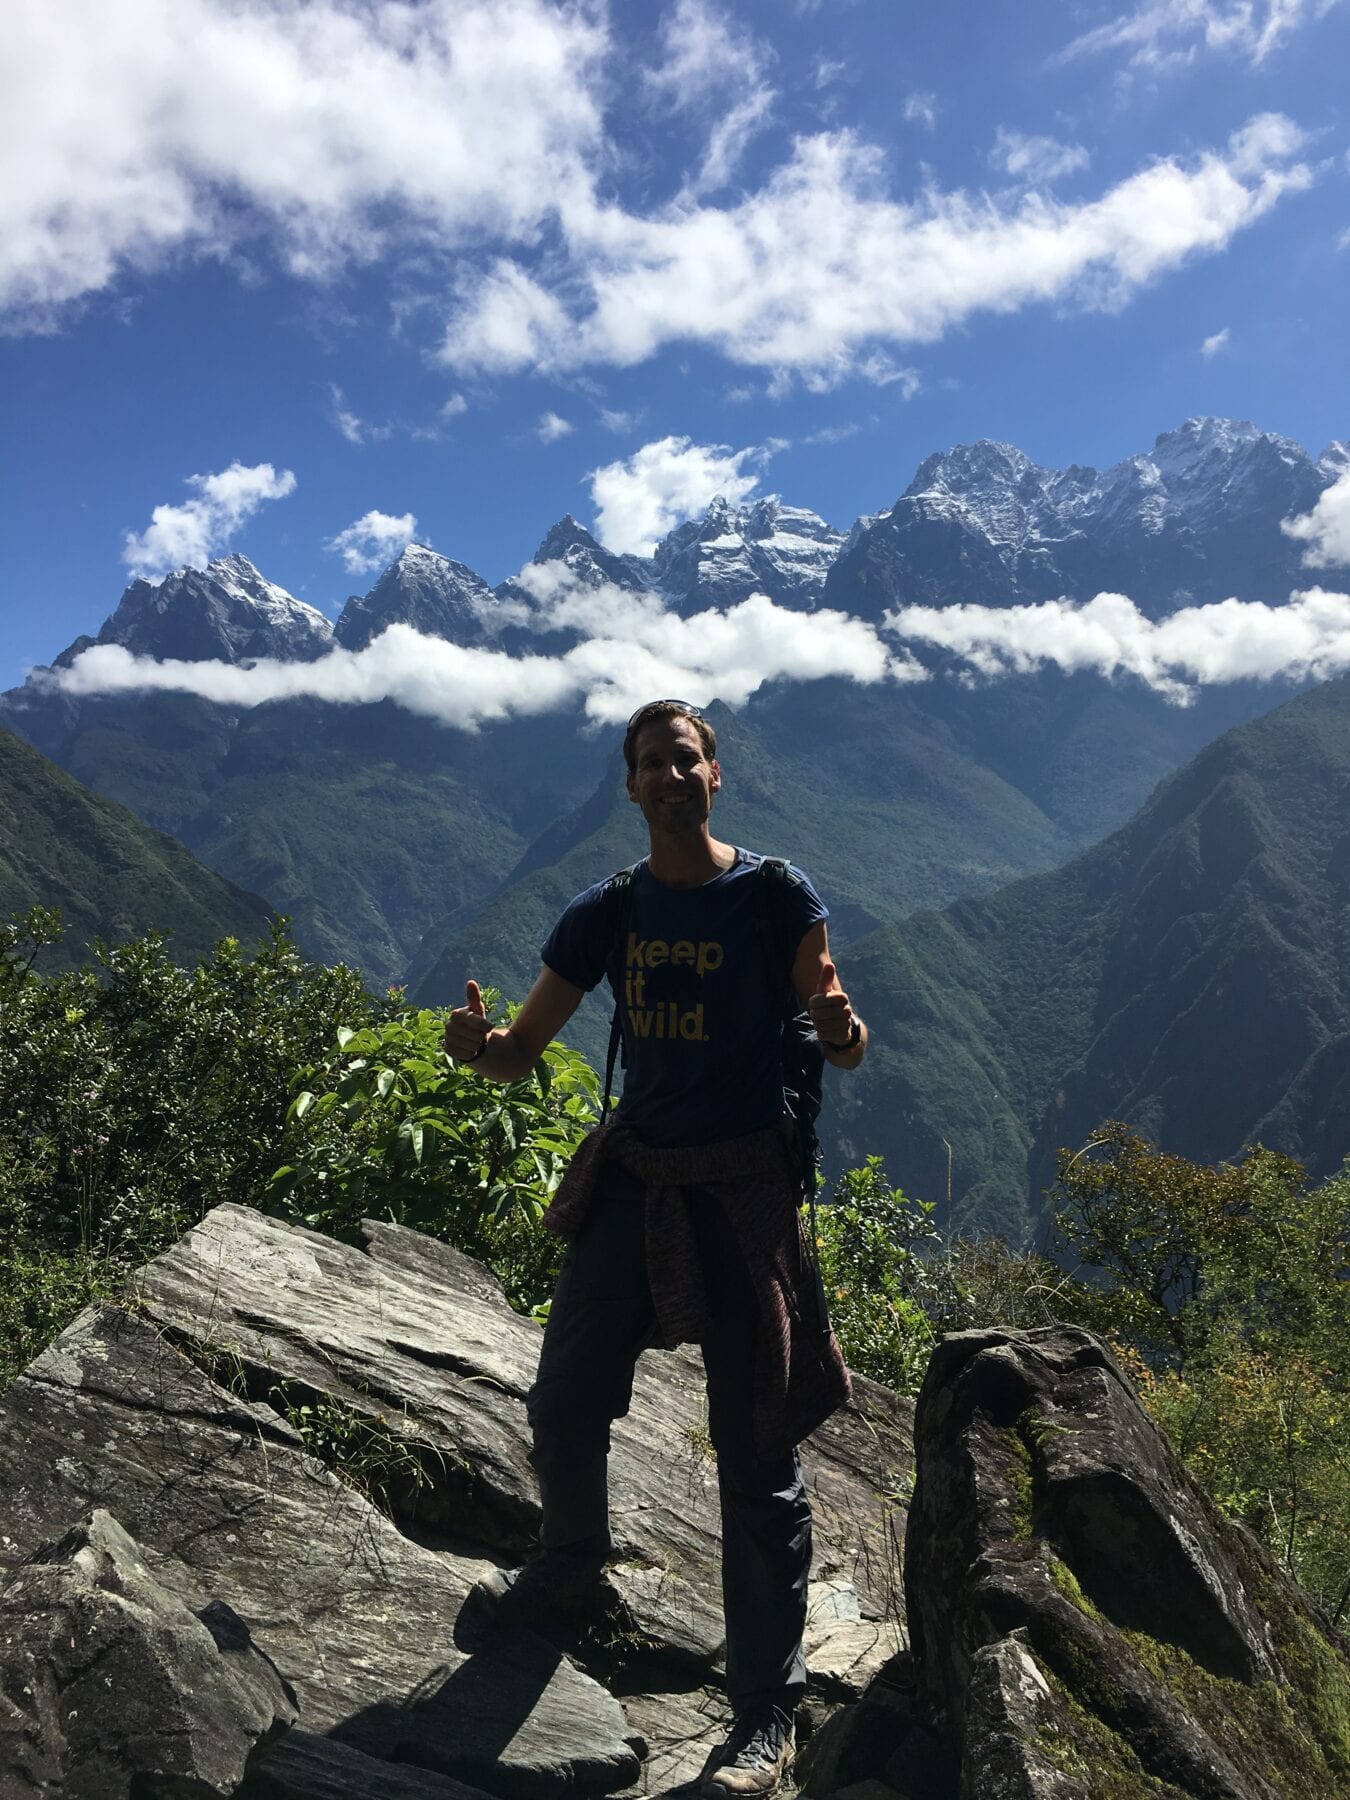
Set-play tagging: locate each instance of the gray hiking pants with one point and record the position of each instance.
(601, 1319)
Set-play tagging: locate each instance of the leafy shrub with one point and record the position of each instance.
(880, 1285)
(386, 1124)
(135, 1096)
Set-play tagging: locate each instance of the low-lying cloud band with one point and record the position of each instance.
(630, 647)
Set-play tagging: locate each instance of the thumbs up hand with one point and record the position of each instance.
(830, 1011)
(467, 1028)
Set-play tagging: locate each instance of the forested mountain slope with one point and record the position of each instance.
(1190, 975)
(111, 876)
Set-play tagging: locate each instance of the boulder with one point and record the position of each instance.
(114, 1688)
(1085, 1620)
(331, 1439)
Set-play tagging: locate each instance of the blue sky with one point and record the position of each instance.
(447, 260)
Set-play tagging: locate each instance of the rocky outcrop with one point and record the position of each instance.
(114, 1689)
(331, 1441)
(1083, 1623)
(306, 1453)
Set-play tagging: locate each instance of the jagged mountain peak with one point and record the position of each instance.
(1197, 517)
(587, 559)
(732, 551)
(566, 534)
(226, 612)
(1200, 446)
(432, 593)
(981, 463)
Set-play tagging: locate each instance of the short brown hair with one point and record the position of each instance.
(653, 713)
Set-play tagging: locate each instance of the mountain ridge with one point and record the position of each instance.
(1190, 973)
(110, 876)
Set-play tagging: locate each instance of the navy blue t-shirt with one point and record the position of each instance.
(702, 1020)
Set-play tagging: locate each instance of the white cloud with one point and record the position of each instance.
(191, 534)
(338, 133)
(819, 268)
(628, 648)
(882, 371)
(1232, 640)
(1165, 33)
(1036, 160)
(833, 434)
(617, 421)
(355, 429)
(711, 65)
(1326, 529)
(708, 62)
(344, 418)
(453, 407)
(1214, 343)
(550, 428)
(134, 131)
(639, 499)
(373, 540)
(920, 108)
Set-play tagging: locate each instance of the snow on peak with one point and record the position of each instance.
(734, 551)
(237, 577)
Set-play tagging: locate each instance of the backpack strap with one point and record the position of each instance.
(772, 880)
(617, 896)
(803, 1058)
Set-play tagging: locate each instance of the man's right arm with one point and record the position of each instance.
(508, 1053)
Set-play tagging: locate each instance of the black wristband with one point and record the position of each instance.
(477, 1053)
(850, 1043)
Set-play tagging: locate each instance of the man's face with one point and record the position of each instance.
(673, 782)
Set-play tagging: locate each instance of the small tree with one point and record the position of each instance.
(1227, 1291)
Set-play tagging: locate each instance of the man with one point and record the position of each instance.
(682, 1217)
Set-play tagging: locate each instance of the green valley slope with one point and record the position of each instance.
(111, 876)
(1191, 975)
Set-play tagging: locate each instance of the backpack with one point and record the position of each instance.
(803, 1058)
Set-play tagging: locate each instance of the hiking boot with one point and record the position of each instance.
(755, 1757)
(556, 1582)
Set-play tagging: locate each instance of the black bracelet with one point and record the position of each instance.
(850, 1043)
(482, 1046)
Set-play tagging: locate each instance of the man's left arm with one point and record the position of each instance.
(842, 1034)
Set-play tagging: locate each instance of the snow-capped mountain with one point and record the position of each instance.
(226, 612)
(1196, 518)
(587, 560)
(768, 548)
(716, 560)
(430, 592)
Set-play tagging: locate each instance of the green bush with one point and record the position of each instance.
(385, 1124)
(135, 1096)
(879, 1282)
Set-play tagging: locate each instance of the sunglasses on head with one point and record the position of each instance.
(654, 706)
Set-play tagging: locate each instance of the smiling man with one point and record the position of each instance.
(681, 1214)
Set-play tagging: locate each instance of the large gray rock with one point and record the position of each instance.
(196, 1415)
(1085, 1619)
(1084, 1624)
(112, 1687)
